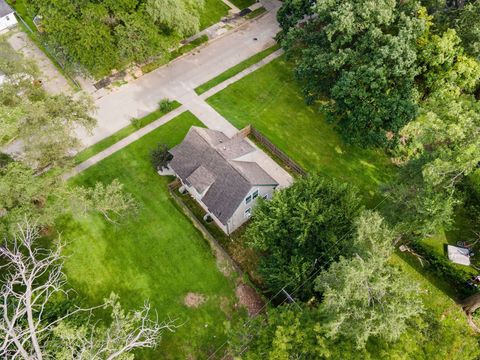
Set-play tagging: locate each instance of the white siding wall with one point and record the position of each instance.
(7, 21)
(238, 217)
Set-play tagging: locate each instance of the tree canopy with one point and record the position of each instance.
(97, 37)
(301, 228)
(364, 296)
(362, 56)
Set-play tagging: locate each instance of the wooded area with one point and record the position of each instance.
(97, 37)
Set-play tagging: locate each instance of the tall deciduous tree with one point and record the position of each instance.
(39, 126)
(362, 55)
(468, 27)
(443, 64)
(96, 37)
(364, 296)
(302, 228)
(438, 150)
(178, 16)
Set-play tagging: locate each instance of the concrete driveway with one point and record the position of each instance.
(52, 80)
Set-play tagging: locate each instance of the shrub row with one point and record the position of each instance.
(440, 265)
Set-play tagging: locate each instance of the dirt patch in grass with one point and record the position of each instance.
(194, 300)
(249, 298)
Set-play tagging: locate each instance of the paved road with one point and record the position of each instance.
(197, 105)
(178, 79)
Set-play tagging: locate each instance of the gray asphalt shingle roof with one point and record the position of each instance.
(205, 160)
(5, 9)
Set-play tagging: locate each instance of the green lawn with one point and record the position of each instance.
(156, 255)
(447, 334)
(212, 13)
(242, 4)
(270, 100)
(235, 70)
(120, 134)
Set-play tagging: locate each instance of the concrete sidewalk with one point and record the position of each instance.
(206, 114)
(179, 78)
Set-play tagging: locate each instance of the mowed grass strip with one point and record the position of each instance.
(242, 4)
(235, 70)
(156, 254)
(271, 101)
(213, 11)
(121, 134)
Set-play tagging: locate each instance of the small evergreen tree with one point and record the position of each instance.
(160, 157)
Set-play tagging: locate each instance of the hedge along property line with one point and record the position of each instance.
(174, 54)
(441, 266)
(123, 133)
(236, 69)
(217, 249)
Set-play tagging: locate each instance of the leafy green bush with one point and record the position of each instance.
(166, 105)
(136, 123)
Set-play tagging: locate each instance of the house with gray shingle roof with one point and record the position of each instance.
(7, 17)
(220, 175)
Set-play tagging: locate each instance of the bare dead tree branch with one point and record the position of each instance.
(31, 275)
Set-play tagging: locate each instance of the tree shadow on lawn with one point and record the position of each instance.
(429, 276)
(112, 266)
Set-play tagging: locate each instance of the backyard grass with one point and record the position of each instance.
(121, 134)
(242, 4)
(462, 231)
(156, 254)
(212, 13)
(450, 336)
(235, 70)
(271, 101)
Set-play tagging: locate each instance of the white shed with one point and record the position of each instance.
(7, 17)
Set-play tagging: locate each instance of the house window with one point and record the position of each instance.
(265, 196)
(248, 213)
(8, 18)
(248, 199)
(255, 194)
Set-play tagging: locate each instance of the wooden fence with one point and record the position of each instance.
(264, 141)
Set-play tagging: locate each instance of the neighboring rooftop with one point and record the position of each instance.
(208, 160)
(5, 9)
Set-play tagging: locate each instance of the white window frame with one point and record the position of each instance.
(248, 199)
(255, 194)
(265, 197)
(247, 213)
